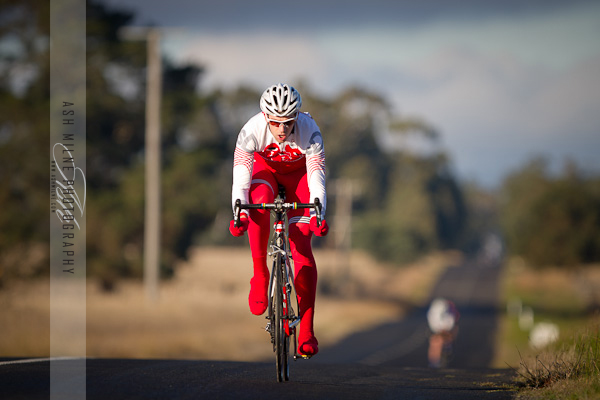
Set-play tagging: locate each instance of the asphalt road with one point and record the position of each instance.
(175, 379)
(473, 289)
(388, 362)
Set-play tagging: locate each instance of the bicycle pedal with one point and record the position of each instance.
(302, 356)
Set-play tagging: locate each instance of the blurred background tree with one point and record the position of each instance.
(24, 121)
(409, 203)
(193, 149)
(199, 130)
(552, 220)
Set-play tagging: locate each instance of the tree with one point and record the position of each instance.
(193, 149)
(24, 121)
(552, 220)
(409, 201)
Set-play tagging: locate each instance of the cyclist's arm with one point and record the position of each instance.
(315, 167)
(243, 162)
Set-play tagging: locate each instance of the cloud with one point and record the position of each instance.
(568, 104)
(258, 59)
(494, 112)
(499, 89)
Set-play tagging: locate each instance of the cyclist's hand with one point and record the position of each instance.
(319, 230)
(239, 230)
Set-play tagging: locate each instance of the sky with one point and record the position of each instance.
(500, 81)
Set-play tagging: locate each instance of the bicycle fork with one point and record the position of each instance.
(287, 292)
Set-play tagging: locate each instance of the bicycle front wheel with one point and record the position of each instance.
(281, 337)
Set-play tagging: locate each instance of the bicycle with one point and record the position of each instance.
(441, 346)
(282, 319)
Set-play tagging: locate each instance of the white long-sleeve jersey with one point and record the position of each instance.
(303, 147)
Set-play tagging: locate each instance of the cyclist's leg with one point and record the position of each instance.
(434, 352)
(304, 262)
(306, 285)
(261, 191)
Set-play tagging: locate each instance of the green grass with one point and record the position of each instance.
(568, 369)
(553, 297)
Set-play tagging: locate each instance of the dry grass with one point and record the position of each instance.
(544, 284)
(203, 313)
(550, 287)
(558, 295)
(569, 371)
(25, 319)
(547, 369)
(570, 299)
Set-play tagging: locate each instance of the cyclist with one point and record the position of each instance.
(281, 146)
(442, 318)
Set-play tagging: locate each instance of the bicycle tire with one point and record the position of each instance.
(285, 331)
(278, 321)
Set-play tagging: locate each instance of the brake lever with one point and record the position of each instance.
(236, 214)
(318, 210)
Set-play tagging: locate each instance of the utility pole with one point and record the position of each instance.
(343, 216)
(345, 190)
(153, 166)
(153, 157)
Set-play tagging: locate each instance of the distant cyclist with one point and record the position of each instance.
(442, 318)
(281, 146)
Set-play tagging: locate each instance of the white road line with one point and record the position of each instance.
(36, 360)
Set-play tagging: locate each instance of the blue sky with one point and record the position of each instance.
(501, 81)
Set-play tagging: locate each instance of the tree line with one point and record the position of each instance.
(409, 202)
(552, 219)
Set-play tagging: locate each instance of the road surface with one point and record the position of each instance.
(175, 379)
(388, 362)
(473, 289)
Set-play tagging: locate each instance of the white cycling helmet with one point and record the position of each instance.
(442, 315)
(280, 100)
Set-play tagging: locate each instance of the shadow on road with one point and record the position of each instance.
(475, 292)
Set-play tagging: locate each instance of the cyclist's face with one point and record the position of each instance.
(280, 127)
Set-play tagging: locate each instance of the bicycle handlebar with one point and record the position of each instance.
(277, 206)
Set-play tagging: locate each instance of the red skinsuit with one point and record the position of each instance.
(260, 166)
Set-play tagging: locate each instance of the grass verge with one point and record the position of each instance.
(568, 368)
(571, 370)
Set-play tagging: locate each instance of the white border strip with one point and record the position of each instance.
(68, 198)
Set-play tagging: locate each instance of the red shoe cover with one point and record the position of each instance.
(310, 347)
(257, 299)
